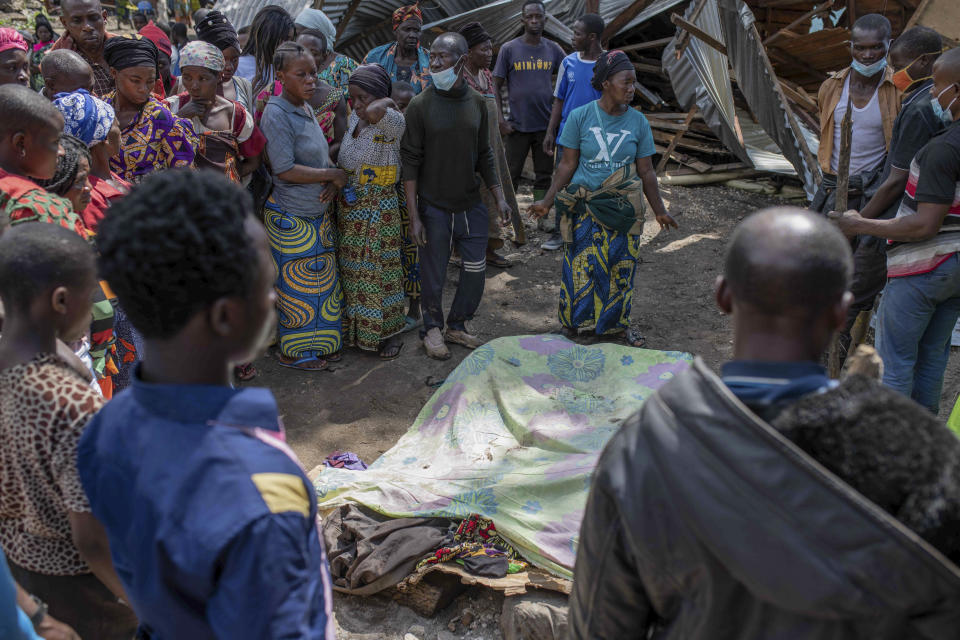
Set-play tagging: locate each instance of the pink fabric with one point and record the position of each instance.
(11, 39)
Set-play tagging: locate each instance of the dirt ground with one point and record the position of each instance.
(364, 405)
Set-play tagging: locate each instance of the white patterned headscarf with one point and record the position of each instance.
(85, 116)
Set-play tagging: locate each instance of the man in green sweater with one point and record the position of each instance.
(444, 147)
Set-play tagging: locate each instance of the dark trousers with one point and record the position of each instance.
(519, 144)
(869, 278)
(468, 231)
(82, 602)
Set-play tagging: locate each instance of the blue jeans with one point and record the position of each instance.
(916, 319)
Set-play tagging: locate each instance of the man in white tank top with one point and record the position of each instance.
(868, 86)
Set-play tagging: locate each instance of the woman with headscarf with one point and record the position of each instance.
(370, 225)
(151, 138)
(14, 58)
(271, 26)
(405, 60)
(333, 68)
(46, 36)
(93, 121)
(329, 103)
(298, 218)
(217, 30)
(599, 189)
(228, 140)
(477, 73)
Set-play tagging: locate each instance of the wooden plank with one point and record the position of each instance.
(809, 14)
(801, 99)
(347, 15)
(628, 14)
(694, 30)
(649, 44)
(676, 139)
(648, 68)
(697, 166)
(684, 38)
(939, 15)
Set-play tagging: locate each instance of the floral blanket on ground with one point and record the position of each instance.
(513, 434)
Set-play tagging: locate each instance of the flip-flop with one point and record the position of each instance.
(334, 357)
(394, 356)
(245, 372)
(409, 324)
(296, 364)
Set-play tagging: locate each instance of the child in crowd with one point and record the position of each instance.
(402, 93)
(229, 141)
(94, 122)
(30, 130)
(72, 179)
(202, 297)
(64, 71)
(52, 542)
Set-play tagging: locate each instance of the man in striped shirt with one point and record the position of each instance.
(921, 302)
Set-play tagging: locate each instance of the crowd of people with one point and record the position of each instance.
(172, 206)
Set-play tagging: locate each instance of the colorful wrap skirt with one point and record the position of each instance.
(309, 298)
(600, 261)
(370, 254)
(411, 257)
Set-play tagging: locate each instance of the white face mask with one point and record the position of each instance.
(444, 80)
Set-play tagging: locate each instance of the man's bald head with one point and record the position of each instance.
(452, 43)
(947, 67)
(788, 262)
(64, 70)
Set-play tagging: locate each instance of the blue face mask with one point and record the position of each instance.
(945, 115)
(444, 80)
(869, 70)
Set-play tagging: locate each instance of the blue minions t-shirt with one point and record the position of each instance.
(606, 142)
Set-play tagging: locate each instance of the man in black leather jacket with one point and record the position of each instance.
(704, 522)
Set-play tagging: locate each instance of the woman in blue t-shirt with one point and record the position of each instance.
(598, 189)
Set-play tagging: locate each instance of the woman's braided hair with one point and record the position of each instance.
(67, 164)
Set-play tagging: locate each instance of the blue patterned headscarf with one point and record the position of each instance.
(85, 116)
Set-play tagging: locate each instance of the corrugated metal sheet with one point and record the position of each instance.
(701, 77)
(370, 24)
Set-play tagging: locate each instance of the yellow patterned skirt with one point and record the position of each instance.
(309, 298)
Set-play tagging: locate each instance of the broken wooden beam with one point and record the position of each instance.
(676, 139)
(649, 44)
(347, 15)
(628, 14)
(809, 14)
(695, 31)
(684, 39)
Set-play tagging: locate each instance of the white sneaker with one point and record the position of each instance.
(434, 345)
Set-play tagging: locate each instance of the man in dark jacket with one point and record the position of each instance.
(704, 522)
(444, 148)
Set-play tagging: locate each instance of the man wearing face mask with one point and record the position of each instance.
(921, 302)
(867, 84)
(912, 56)
(445, 145)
